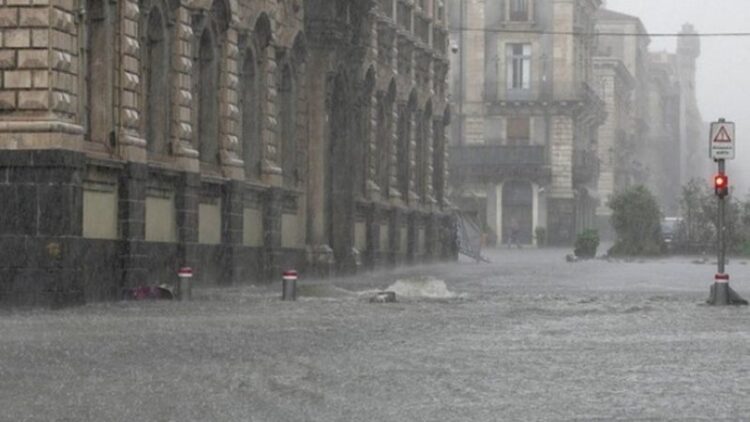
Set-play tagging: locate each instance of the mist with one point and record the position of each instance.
(722, 83)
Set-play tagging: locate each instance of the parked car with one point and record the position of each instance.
(670, 227)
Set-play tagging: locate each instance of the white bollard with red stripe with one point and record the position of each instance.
(289, 285)
(185, 287)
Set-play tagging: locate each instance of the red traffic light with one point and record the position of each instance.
(721, 185)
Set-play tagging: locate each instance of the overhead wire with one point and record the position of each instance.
(606, 34)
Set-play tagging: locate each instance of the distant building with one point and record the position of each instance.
(616, 148)
(694, 161)
(621, 69)
(238, 137)
(654, 134)
(524, 144)
(667, 147)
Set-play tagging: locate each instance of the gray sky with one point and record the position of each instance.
(723, 81)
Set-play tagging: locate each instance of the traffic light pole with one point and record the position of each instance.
(721, 148)
(721, 285)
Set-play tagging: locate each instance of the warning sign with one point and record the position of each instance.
(721, 142)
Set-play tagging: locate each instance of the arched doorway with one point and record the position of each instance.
(518, 211)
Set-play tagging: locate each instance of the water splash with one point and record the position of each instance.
(422, 287)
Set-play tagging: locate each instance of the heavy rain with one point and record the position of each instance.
(374, 210)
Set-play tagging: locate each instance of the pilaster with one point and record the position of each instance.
(270, 168)
(394, 190)
(182, 66)
(561, 150)
(229, 111)
(272, 218)
(232, 231)
(132, 222)
(131, 144)
(187, 201)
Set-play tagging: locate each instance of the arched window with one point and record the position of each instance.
(156, 82)
(210, 29)
(288, 127)
(254, 88)
(250, 107)
(99, 67)
(207, 81)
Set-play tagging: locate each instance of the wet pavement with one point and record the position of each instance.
(528, 337)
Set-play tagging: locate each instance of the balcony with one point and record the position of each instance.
(494, 163)
(546, 94)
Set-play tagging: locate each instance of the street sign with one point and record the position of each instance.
(721, 142)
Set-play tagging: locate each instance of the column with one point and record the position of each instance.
(233, 209)
(132, 222)
(187, 199)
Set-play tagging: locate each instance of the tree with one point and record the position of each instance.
(636, 219)
(699, 208)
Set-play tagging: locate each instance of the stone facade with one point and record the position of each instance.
(654, 133)
(238, 137)
(525, 131)
(616, 138)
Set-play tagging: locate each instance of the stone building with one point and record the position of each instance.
(665, 139)
(238, 137)
(525, 116)
(621, 70)
(617, 168)
(654, 134)
(694, 162)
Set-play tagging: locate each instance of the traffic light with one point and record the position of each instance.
(721, 185)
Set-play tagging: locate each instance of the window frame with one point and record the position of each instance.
(518, 66)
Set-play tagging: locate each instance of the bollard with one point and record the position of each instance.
(185, 288)
(289, 285)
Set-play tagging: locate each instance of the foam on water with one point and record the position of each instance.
(423, 288)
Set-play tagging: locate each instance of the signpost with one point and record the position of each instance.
(721, 148)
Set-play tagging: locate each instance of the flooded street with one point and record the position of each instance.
(528, 337)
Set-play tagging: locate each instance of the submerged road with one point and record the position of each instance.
(528, 337)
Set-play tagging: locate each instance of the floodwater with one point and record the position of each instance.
(528, 337)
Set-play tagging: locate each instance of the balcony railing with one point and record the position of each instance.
(498, 154)
(492, 163)
(547, 91)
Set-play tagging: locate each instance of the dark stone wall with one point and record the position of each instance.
(45, 261)
(40, 227)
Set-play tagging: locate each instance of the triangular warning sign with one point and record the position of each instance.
(722, 135)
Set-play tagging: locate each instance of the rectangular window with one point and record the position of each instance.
(519, 66)
(518, 130)
(519, 10)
